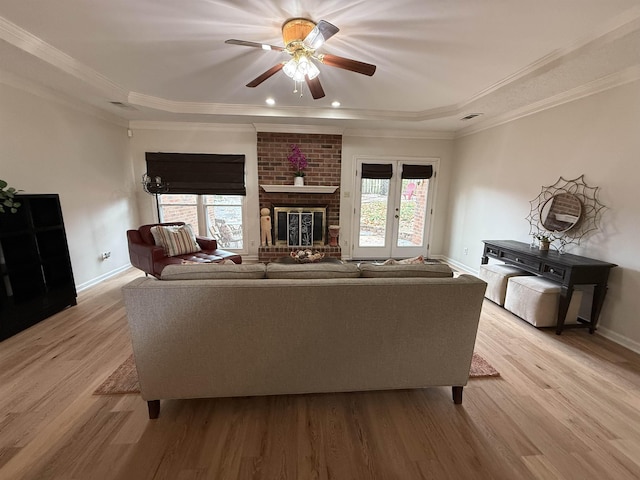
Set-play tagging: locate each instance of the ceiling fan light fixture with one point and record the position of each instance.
(299, 67)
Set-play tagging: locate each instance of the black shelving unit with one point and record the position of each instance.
(36, 279)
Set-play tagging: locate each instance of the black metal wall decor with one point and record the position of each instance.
(565, 212)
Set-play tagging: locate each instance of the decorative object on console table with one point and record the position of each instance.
(545, 241)
(566, 269)
(299, 162)
(36, 279)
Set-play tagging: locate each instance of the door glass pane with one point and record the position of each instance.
(224, 219)
(179, 208)
(373, 212)
(413, 210)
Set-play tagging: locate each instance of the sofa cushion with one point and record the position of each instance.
(312, 270)
(175, 239)
(223, 271)
(405, 270)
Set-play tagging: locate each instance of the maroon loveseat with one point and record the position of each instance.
(151, 259)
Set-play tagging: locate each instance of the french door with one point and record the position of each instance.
(392, 208)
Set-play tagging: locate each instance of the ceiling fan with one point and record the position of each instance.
(302, 37)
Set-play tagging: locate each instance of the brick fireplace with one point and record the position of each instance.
(324, 153)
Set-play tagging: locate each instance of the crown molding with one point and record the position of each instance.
(38, 90)
(29, 43)
(608, 82)
(388, 133)
(191, 126)
(616, 28)
(289, 128)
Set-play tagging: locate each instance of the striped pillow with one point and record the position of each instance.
(175, 239)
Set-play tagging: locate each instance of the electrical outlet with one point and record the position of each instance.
(466, 251)
(105, 255)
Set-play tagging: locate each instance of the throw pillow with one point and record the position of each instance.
(175, 239)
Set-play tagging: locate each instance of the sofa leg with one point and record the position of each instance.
(154, 408)
(457, 395)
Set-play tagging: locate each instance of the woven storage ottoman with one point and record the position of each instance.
(534, 299)
(496, 277)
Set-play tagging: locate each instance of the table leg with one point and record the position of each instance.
(599, 292)
(565, 299)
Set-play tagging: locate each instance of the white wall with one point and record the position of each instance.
(395, 148)
(49, 147)
(199, 138)
(498, 171)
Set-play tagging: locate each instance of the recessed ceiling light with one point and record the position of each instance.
(270, 101)
(335, 104)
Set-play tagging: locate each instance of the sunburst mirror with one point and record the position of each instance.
(565, 212)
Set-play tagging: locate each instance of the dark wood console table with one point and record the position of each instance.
(566, 269)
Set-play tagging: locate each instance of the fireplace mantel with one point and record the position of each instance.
(299, 188)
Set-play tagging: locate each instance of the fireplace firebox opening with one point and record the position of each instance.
(296, 226)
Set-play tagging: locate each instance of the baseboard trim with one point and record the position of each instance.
(619, 339)
(455, 264)
(102, 278)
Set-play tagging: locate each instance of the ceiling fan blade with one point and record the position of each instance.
(314, 87)
(244, 43)
(347, 64)
(322, 32)
(272, 71)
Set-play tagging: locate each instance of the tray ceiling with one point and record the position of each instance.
(438, 60)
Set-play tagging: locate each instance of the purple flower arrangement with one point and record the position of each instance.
(298, 160)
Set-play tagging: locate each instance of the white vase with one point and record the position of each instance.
(298, 181)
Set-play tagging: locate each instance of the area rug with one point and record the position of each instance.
(124, 379)
(481, 368)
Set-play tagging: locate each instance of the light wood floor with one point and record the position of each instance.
(565, 407)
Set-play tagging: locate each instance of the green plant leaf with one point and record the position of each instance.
(3, 184)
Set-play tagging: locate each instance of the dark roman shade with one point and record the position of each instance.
(417, 171)
(377, 170)
(198, 173)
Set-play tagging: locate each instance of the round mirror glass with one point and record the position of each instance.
(561, 212)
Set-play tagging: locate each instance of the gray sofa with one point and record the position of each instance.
(245, 330)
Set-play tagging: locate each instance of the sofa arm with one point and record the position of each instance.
(207, 243)
(143, 255)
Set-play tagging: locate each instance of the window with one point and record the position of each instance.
(224, 219)
(217, 216)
